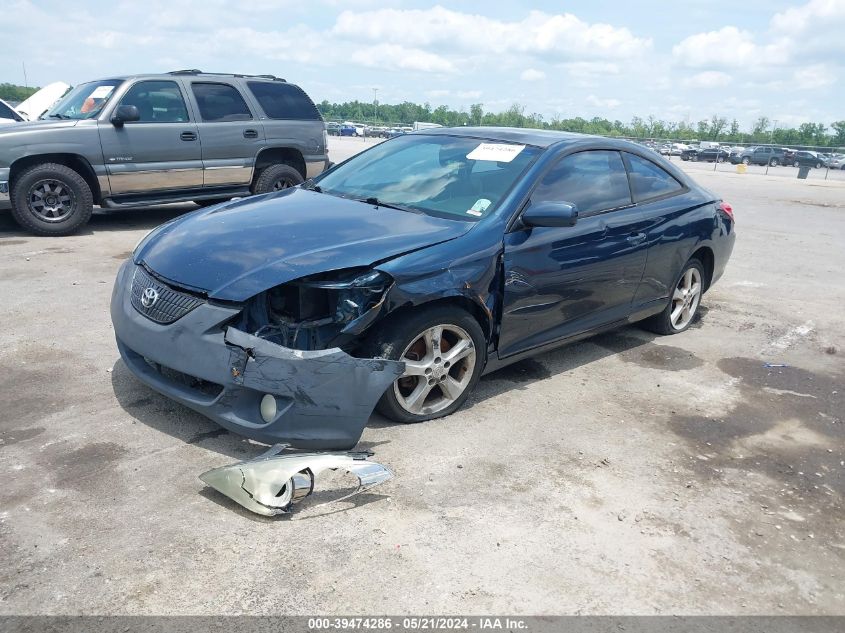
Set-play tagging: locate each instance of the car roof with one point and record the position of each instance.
(523, 136)
(190, 73)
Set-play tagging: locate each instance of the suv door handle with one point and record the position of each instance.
(188, 136)
(250, 134)
(636, 238)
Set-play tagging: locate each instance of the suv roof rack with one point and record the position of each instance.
(195, 71)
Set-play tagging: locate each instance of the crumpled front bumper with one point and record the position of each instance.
(323, 398)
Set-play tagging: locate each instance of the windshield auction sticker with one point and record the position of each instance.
(499, 152)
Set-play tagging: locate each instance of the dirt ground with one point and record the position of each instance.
(627, 474)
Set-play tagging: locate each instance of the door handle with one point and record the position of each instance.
(188, 136)
(250, 134)
(636, 238)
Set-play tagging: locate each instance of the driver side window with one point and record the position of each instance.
(593, 181)
(157, 102)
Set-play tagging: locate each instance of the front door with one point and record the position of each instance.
(231, 134)
(161, 151)
(562, 281)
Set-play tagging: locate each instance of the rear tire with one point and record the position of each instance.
(410, 339)
(51, 199)
(774, 162)
(683, 305)
(276, 178)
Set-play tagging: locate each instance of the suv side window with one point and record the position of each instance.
(649, 181)
(220, 102)
(593, 181)
(157, 102)
(283, 100)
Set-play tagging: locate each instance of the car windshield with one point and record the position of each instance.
(445, 176)
(85, 101)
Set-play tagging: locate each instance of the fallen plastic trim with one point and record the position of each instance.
(272, 483)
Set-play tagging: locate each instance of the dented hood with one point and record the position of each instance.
(234, 251)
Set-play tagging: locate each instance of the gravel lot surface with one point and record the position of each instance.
(627, 474)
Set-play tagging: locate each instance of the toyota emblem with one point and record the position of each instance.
(149, 297)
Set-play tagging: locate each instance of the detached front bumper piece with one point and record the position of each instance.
(273, 482)
(313, 400)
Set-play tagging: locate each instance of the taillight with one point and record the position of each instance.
(727, 209)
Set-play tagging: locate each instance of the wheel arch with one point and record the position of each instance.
(275, 155)
(73, 161)
(476, 309)
(705, 255)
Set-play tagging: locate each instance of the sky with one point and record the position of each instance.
(681, 60)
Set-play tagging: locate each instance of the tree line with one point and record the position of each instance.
(715, 128)
(11, 92)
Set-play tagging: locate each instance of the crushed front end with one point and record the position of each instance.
(273, 369)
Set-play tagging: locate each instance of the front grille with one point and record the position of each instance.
(164, 305)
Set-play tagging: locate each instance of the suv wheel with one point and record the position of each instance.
(276, 178)
(774, 162)
(51, 199)
(796, 164)
(818, 165)
(746, 161)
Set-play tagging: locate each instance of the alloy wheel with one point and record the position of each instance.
(686, 298)
(439, 365)
(282, 183)
(51, 200)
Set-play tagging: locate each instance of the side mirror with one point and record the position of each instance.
(125, 114)
(550, 214)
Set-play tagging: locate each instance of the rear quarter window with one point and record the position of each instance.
(283, 101)
(650, 181)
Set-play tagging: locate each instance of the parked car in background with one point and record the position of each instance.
(375, 282)
(333, 128)
(690, 153)
(712, 155)
(836, 162)
(8, 114)
(33, 107)
(133, 141)
(788, 156)
(811, 159)
(394, 132)
(348, 130)
(759, 156)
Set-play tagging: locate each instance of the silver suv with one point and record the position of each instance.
(151, 139)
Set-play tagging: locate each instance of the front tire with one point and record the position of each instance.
(51, 199)
(444, 351)
(276, 178)
(746, 161)
(683, 305)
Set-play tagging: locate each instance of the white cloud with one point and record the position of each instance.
(606, 104)
(468, 94)
(532, 74)
(728, 47)
(708, 79)
(815, 76)
(539, 33)
(394, 56)
(591, 69)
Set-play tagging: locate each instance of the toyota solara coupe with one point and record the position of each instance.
(399, 277)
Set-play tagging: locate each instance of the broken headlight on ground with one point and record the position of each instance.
(273, 482)
(319, 311)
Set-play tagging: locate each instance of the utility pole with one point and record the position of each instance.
(375, 105)
(25, 80)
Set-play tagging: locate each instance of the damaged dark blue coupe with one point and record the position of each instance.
(396, 279)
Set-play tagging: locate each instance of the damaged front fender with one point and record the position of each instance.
(273, 482)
